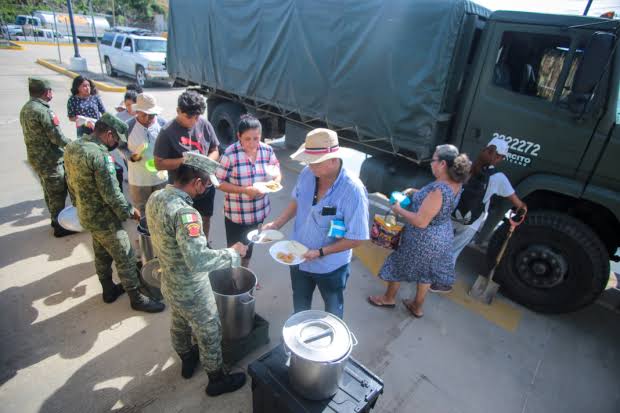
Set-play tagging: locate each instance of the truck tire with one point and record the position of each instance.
(141, 77)
(554, 263)
(225, 119)
(295, 134)
(108, 68)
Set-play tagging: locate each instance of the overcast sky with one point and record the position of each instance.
(553, 6)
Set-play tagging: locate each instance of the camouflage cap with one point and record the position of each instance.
(203, 163)
(38, 85)
(115, 123)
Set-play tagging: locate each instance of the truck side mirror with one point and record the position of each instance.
(127, 49)
(593, 65)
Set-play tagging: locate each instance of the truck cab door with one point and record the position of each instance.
(116, 57)
(522, 96)
(127, 65)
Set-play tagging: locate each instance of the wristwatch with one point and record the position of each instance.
(321, 253)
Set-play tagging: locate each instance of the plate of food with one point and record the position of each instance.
(267, 187)
(288, 252)
(265, 237)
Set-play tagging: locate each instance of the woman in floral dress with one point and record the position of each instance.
(424, 255)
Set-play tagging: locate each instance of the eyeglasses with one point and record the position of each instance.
(435, 160)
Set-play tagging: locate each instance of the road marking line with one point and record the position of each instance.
(501, 313)
(372, 256)
(33, 43)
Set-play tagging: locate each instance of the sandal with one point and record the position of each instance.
(412, 309)
(379, 304)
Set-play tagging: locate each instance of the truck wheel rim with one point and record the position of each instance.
(541, 267)
(140, 78)
(108, 67)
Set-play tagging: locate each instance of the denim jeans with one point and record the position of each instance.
(331, 286)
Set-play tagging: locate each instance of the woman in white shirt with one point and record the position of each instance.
(143, 130)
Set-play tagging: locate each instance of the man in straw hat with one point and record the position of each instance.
(142, 133)
(186, 260)
(102, 208)
(45, 144)
(330, 207)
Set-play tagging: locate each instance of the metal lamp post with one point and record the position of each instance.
(78, 63)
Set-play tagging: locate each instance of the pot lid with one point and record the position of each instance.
(317, 336)
(151, 273)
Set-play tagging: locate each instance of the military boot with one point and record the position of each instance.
(60, 232)
(221, 382)
(189, 361)
(152, 292)
(149, 290)
(141, 302)
(111, 291)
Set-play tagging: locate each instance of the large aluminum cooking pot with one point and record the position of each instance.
(146, 247)
(234, 295)
(318, 344)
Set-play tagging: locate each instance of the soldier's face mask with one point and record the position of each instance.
(112, 141)
(48, 95)
(201, 186)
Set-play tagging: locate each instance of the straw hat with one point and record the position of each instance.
(321, 145)
(146, 103)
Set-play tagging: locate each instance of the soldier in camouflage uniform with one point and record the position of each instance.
(44, 146)
(185, 259)
(102, 208)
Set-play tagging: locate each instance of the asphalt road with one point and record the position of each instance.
(63, 349)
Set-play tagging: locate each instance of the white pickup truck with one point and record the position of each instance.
(136, 55)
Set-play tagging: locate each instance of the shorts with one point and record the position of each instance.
(239, 233)
(204, 203)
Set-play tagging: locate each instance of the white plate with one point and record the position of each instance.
(262, 186)
(266, 236)
(288, 247)
(68, 219)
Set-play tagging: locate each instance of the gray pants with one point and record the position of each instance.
(140, 194)
(463, 234)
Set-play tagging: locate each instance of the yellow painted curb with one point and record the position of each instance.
(12, 46)
(100, 85)
(501, 313)
(25, 42)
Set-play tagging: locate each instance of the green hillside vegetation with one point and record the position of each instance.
(125, 10)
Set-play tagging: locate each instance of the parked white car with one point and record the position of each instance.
(136, 55)
(43, 35)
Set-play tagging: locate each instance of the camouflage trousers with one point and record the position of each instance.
(114, 245)
(54, 189)
(201, 320)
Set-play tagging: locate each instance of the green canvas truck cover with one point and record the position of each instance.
(379, 67)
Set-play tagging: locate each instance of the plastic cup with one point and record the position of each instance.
(150, 165)
(402, 199)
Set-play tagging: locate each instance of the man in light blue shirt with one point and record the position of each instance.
(325, 196)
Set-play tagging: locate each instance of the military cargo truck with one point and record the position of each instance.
(397, 78)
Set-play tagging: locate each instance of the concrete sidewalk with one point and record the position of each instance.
(64, 350)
